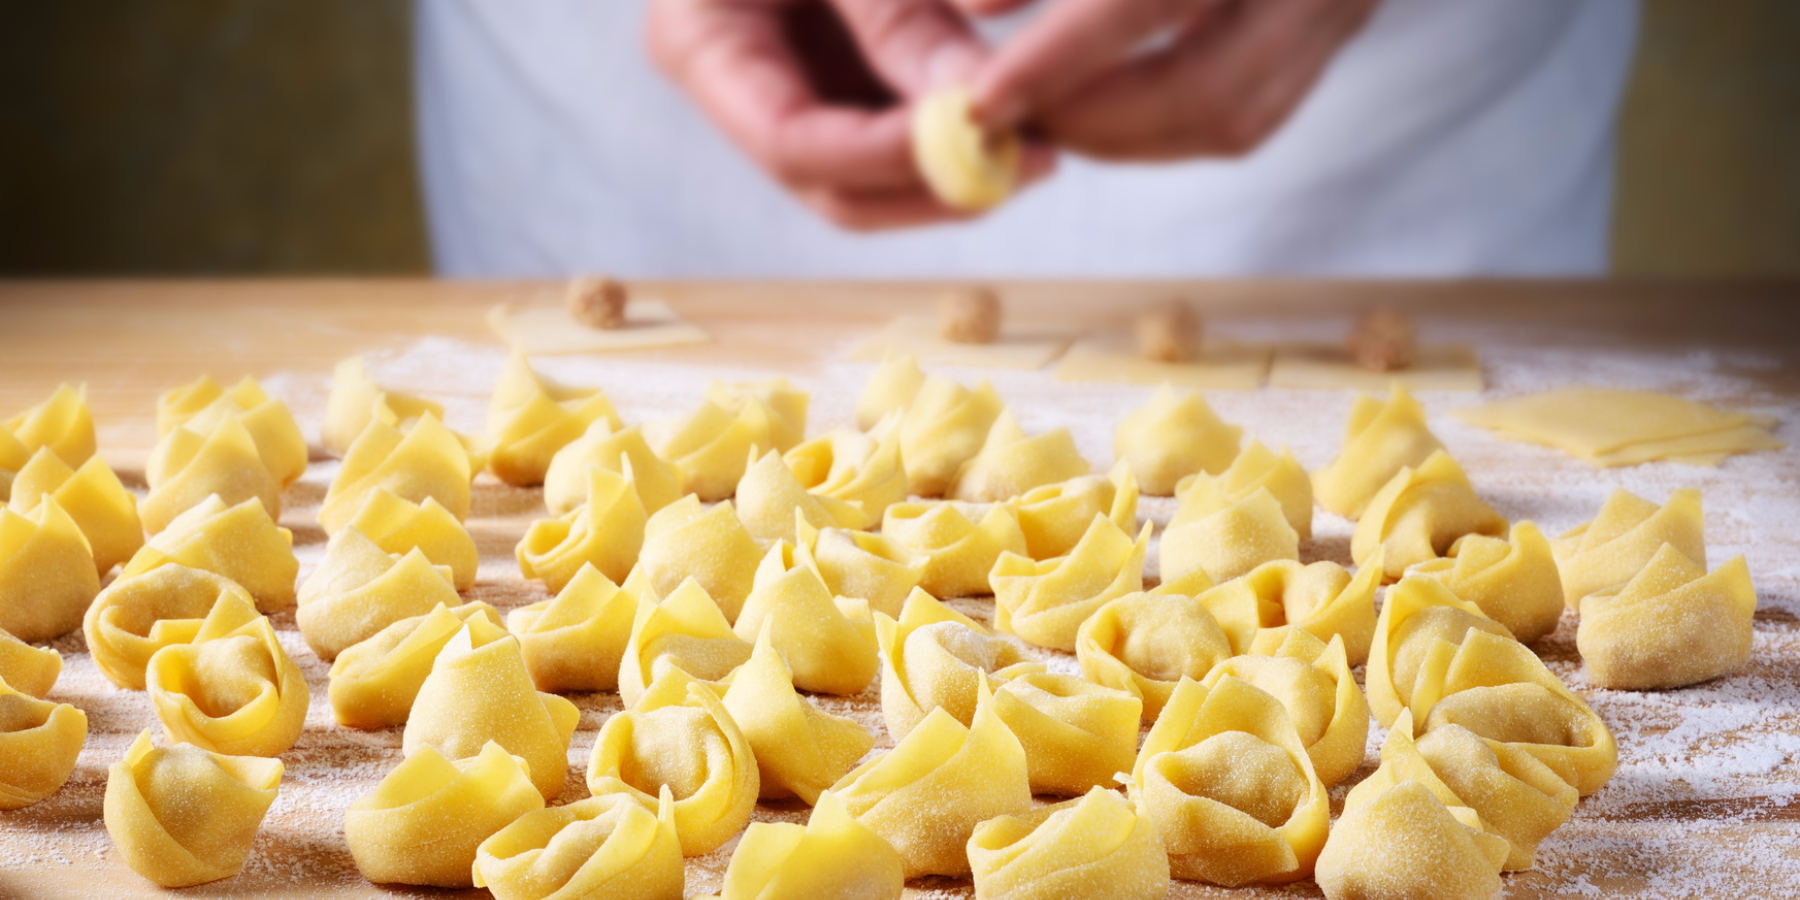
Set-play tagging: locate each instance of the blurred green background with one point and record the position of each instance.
(242, 137)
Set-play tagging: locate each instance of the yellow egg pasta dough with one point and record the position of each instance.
(39, 744)
(1673, 624)
(605, 846)
(137, 616)
(425, 822)
(1381, 439)
(800, 750)
(232, 689)
(102, 508)
(1044, 603)
(1144, 644)
(1098, 843)
(239, 542)
(47, 573)
(182, 815)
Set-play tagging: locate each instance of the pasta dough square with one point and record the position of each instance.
(1621, 427)
(1454, 367)
(1022, 345)
(537, 330)
(1114, 359)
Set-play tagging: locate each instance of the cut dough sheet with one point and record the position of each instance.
(1722, 443)
(649, 323)
(1021, 345)
(1330, 367)
(1115, 358)
(1620, 427)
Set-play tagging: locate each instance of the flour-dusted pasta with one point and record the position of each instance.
(1417, 616)
(1514, 580)
(576, 640)
(398, 526)
(62, 422)
(686, 635)
(1077, 735)
(828, 643)
(799, 749)
(232, 689)
(832, 855)
(1258, 467)
(137, 616)
(47, 573)
(202, 404)
(424, 823)
(239, 542)
(606, 846)
(1012, 462)
(1145, 644)
(183, 815)
(39, 743)
(358, 589)
(1313, 682)
(684, 541)
(374, 683)
(1098, 844)
(944, 426)
(934, 657)
(1380, 439)
(890, 389)
(530, 417)
(965, 166)
(1044, 603)
(13, 457)
(607, 532)
(29, 670)
(770, 499)
(481, 693)
(1224, 776)
(960, 553)
(188, 467)
(786, 405)
(679, 735)
(658, 481)
(356, 400)
(1055, 516)
(869, 567)
(102, 508)
(1402, 843)
(1171, 437)
(1673, 624)
(1620, 541)
(854, 468)
(1260, 608)
(1225, 537)
(1419, 513)
(426, 460)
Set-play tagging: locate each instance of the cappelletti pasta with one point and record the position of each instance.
(1260, 608)
(425, 460)
(232, 689)
(399, 526)
(1045, 603)
(605, 846)
(1313, 682)
(1171, 437)
(828, 643)
(684, 636)
(1258, 467)
(576, 640)
(870, 567)
(1514, 580)
(29, 670)
(1099, 842)
(359, 589)
(1673, 624)
(93, 497)
(1012, 462)
(374, 683)
(607, 532)
(1144, 644)
(1223, 537)
(710, 546)
(39, 744)
(800, 750)
(959, 553)
(531, 417)
(1077, 735)
(188, 467)
(1622, 539)
(1380, 439)
(47, 573)
(239, 542)
(832, 855)
(356, 400)
(658, 481)
(1055, 516)
(182, 815)
(935, 657)
(890, 389)
(62, 423)
(425, 822)
(1419, 513)
(137, 616)
(944, 426)
(200, 405)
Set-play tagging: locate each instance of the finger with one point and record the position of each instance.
(914, 45)
(991, 7)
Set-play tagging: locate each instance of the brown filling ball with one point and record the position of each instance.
(1383, 340)
(597, 302)
(970, 316)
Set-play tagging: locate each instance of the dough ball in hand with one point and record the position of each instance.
(597, 302)
(970, 315)
(1383, 340)
(1170, 331)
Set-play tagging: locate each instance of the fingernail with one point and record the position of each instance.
(952, 64)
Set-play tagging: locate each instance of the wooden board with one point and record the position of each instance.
(1705, 803)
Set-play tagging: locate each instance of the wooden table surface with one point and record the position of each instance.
(1707, 799)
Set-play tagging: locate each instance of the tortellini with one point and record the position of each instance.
(786, 405)
(960, 553)
(374, 683)
(1416, 615)
(829, 644)
(398, 526)
(934, 657)
(1513, 580)
(606, 532)
(1098, 844)
(1225, 537)
(686, 635)
(606, 846)
(102, 508)
(1322, 599)
(850, 467)
(870, 567)
(1381, 439)
(1258, 467)
(481, 693)
(39, 743)
(658, 482)
(531, 417)
(29, 670)
(239, 542)
(944, 426)
(1620, 541)
(966, 166)
(1145, 644)
(890, 389)
(13, 457)
(770, 499)
(47, 574)
(200, 406)
(188, 467)
(710, 546)
(137, 616)
(62, 423)
(359, 589)
(1055, 516)
(712, 446)
(231, 690)
(576, 640)
(356, 400)
(1011, 462)
(800, 750)
(1418, 514)
(1044, 603)
(927, 795)
(183, 815)
(832, 855)
(1230, 787)
(1401, 842)
(679, 736)
(427, 460)
(1313, 682)
(1077, 735)
(1674, 624)
(1172, 437)
(424, 823)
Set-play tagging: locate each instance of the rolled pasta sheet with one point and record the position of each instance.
(712, 445)
(1260, 608)
(1380, 439)
(607, 532)
(1044, 603)
(799, 749)
(680, 736)
(359, 589)
(576, 640)
(93, 497)
(239, 542)
(1672, 625)
(1097, 845)
(1418, 514)
(1055, 516)
(182, 815)
(232, 689)
(399, 526)
(1314, 684)
(29, 670)
(47, 573)
(960, 553)
(685, 636)
(1171, 437)
(832, 855)
(966, 167)
(861, 470)
(890, 389)
(530, 417)
(1514, 580)
(1144, 644)
(945, 425)
(39, 744)
(481, 693)
(935, 657)
(356, 400)
(1012, 462)
(425, 822)
(62, 422)
(1257, 467)
(373, 684)
(684, 541)
(1077, 735)
(1629, 530)
(137, 616)
(187, 467)
(828, 643)
(769, 499)
(870, 567)
(426, 460)
(606, 846)
(786, 405)
(927, 795)
(1225, 538)
(200, 405)
(658, 481)
(1403, 843)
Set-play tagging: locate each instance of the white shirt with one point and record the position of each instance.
(1449, 138)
